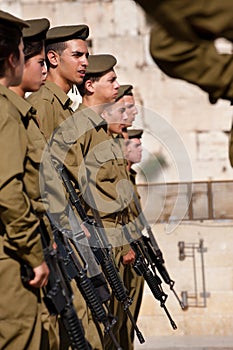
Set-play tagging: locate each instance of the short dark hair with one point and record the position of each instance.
(95, 77)
(32, 49)
(9, 43)
(57, 47)
(92, 77)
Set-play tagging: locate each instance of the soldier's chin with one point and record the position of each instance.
(128, 124)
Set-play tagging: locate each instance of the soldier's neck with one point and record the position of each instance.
(93, 103)
(58, 80)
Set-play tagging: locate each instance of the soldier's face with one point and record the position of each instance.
(106, 88)
(73, 62)
(131, 109)
(34, 74)
(115, 116)
(134, 151)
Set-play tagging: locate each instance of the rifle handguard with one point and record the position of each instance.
(74, 330)
(116, 284)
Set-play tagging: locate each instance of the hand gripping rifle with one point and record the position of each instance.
(58, 294)
(156, 255)
(100, 246)
(76, 271)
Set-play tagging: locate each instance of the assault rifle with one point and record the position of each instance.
(100, 245)
(77, 270)
(142, 266)
(58, 294)
(156, 255)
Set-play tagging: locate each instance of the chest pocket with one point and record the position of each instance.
(118, 153)
(66, 144)
(105, 162)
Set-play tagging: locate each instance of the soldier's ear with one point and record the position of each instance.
(104, 114)
(53, 58)
(12, 60)
(89, 86)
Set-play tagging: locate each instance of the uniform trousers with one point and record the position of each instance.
(20, 319)
(54, 334)
(123, 329)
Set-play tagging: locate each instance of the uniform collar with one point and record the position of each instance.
(24, 108)
(117, 136)
(96, 119)
(132, 172)
(59, 93)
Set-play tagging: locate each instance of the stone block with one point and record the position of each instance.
(41, 10)
(212, 145)
(100, 17)
(125, 18)
(119, 47)
(68, 13)
(14, 7)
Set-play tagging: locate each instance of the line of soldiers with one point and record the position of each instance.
(30, 193)
(70, 229)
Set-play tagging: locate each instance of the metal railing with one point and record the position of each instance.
(200, 200)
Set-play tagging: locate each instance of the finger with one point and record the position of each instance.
(38, 282)
(45, 282)
(35, 283)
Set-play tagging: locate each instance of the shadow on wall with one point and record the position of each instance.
(150, 168)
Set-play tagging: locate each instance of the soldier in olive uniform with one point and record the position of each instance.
(66, 54)
(20, 320)
(34, 76)
(104, 160)
(117, 117)
(67, 60)
(133, 154)
(182, 42)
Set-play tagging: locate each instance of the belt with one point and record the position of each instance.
(120, 217)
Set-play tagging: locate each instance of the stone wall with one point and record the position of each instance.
(216, 319)
(120, 27)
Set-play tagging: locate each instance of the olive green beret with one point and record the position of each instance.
(98, 64)
(124, 90)
(65, 33)
(134, 133)
(37, 30)
(9, 19)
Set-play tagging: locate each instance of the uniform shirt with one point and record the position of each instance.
(40, 177)
(93, 149)
(56, 123)
(36, 145)
(132, 176)
(104, 162)
(137, 225)
(53, 106)
(17, 221)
